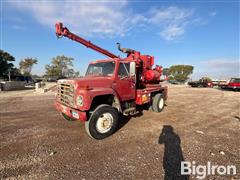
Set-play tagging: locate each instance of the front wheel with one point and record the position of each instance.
(102, 123)
(158, 103)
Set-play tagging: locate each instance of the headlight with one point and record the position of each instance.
(79, 101)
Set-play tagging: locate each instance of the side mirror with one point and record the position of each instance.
(132, 68)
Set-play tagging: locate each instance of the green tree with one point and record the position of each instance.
(165, 71)
(15, 72)
(6, 64)
(60, 66)
(52, 71)
(26, 64)
(180, 72)
(76, 74)
(206, 79)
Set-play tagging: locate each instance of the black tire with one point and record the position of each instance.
(92, 124)
(158, 103)
(65, 117)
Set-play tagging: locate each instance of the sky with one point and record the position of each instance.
(204, 34)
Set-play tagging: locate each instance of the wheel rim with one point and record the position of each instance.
(104, 123)
(161, 103)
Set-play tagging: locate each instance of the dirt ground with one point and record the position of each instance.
(198, 124)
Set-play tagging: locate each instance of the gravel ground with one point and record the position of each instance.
(198, 124)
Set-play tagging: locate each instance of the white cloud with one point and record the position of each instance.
(17, 27)
(86, 18)
(221, 68)
(104, 18)
(171, 20)
(171, 32)
(213, 13)
(222, 64)
(170, 15)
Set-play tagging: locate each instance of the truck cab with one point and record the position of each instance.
(234, 84)
(108, 77)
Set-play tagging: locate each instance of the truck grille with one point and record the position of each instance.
(66, 94)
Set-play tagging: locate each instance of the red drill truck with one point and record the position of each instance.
(111, 87)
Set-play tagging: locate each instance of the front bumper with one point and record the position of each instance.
(69, 111)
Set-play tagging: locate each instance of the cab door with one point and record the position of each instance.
(125, 82)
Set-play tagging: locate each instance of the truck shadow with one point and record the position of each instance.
(123, 120)
(172, 154)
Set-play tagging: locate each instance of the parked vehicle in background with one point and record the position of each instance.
(223, 85)
(203, 82)
(54, 78)
(233, 84)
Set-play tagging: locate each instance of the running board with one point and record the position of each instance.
(129, 111)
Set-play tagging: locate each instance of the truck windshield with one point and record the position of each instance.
(101, 69)
(235, 80)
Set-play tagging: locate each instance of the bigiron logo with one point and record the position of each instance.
(201, 171)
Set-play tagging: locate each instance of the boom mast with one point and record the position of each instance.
(63, 31)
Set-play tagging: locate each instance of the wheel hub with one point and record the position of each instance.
(161, 103)
(104, 123)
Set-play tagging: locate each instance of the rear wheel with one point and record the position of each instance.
(103, 122)
(158, 103)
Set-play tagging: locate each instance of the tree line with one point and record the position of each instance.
(178, 73)
(60, 67)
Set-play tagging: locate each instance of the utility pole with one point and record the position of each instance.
(9, 75)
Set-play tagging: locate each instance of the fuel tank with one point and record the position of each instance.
(152, 76)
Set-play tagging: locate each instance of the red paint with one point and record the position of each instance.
(152, 75)
(63, 31)
(68, 111)
(234, 83)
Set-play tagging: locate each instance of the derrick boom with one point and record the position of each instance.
(63, 31)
